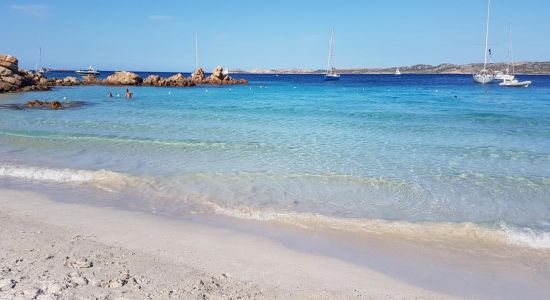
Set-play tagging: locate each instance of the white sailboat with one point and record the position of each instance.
(506, 75)
(397, 72)
(331, 74)
(196, 54)
(485, 76)
(41, 69)
(511, 81)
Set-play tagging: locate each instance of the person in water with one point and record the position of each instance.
(129, 94)
(110, 95)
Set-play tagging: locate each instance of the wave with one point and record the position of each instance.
(504, 233)
(103, 179)
(500, 233)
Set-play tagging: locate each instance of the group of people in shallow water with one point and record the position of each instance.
(128, 95)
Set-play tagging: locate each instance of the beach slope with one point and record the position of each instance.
(70, 250)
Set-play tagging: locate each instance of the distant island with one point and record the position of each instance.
(520, 68)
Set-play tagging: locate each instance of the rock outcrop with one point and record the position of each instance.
(12, 79)
(179, 80)
(90, 79)
(218, 77)
(123, 78)
(71, 80)
(198, 76)
(153, 80)
(176, 80)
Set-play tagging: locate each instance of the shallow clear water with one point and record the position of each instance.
(415, 148)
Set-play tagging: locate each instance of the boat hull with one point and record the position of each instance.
(516, 84)
(87, 73)
(483, 78)
(504, 77)
(332, 77)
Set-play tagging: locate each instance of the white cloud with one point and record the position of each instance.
(160, 17)
(35, 10)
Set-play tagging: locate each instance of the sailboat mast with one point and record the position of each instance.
(196, 51)
(40, 57)
(487, 35)
(511, 59)
(329, 70)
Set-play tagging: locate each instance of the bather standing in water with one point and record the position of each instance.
(129, 94)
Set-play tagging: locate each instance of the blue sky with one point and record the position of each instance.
(160, 35)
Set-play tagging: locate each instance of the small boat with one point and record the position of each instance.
(484, 76)
(515, 83)
(510, 80)
(90, 71)
(397, 72)
(44, 70)
(503, 75)
(331, 74)
(225, 72)
(507, 75)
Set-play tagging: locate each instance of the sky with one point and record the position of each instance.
(247, 34)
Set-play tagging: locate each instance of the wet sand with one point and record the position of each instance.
(52, 249)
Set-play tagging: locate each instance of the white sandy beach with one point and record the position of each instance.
(50, 249)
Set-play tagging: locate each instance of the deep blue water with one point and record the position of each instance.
(416, 148)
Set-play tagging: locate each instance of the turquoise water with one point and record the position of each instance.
(415, 148)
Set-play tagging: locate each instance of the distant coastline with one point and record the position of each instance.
(534, 68)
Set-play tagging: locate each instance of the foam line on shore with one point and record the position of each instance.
(501, 233)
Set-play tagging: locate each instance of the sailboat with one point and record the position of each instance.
(41, 69)
(506, 75)
(196, 54)
(511, 81)
(485, 76)
(397, 72)
(331, 74)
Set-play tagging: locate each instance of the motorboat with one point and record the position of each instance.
(90, 71)
(510, 79)
(515, 83)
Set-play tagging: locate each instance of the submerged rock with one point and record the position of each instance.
(45, 104)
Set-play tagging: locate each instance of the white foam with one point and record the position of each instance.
(113, 182)
(102, 179)
(45, 174)
(438, 231)
(526, 236)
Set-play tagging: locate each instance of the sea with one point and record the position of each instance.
(428, 156)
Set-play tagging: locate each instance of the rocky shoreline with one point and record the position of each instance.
(12, 79)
